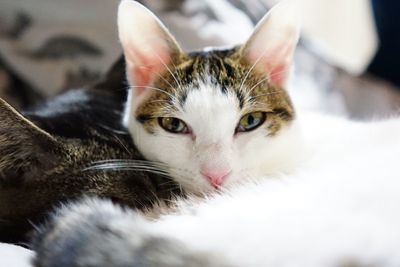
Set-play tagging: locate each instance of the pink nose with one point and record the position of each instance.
(215, 176)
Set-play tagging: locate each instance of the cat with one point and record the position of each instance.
(68, 147)
(212, 109)
(338, 206)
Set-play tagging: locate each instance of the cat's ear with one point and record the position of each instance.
(271, 47)
(24, 148)
(148, 46)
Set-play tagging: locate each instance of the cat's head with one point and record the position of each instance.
(217, 116)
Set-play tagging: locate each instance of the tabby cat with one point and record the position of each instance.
(69, 147)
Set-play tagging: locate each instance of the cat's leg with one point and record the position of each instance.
(98, 233)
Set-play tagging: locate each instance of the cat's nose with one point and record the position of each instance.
(215, 176)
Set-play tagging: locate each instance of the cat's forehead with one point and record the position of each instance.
(217, 79)
(222, 70)
(216, 66)
(218, 69)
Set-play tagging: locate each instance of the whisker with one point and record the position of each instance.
(251, 68)
(120, 166)
(165, 65)
(159, 100)
(153, 88)
(133, 161)
(270, 93)
(126, 164)
(279, 73)
(120, 132)
(122, 144)
(167, 109)
(129, 160)
(135, 169)
(158, 168)
(159, 75)
(169, 70)
(257, 84)
(266, 78)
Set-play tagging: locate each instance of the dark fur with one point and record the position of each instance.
(43, 159)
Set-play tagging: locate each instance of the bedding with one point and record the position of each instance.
(14, 256)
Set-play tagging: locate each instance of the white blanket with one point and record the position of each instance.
(14, 256)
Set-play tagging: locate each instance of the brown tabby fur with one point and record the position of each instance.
(227, 68)
(40, 169)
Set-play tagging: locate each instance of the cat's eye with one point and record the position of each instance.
(251, 121)
(173, 125)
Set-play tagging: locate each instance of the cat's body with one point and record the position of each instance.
(52, 161)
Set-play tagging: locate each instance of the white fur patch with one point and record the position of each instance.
(213, 116)
(342, 206)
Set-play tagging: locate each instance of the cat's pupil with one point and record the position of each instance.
(250, 120)
(175, 124)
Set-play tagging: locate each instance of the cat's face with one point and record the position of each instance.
(216, 117)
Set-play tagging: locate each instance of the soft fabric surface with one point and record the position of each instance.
(14, 256)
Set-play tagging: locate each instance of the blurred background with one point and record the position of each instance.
(346, 63)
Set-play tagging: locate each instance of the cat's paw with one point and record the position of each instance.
(98, 233)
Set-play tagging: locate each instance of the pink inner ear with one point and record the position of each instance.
(275, 62)
(142, 78)
(145, 66)
(278, 75)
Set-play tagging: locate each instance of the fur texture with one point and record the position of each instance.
(210, 91)
(69, 147)
(340, 209)
(100, 239)
(336, 204)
